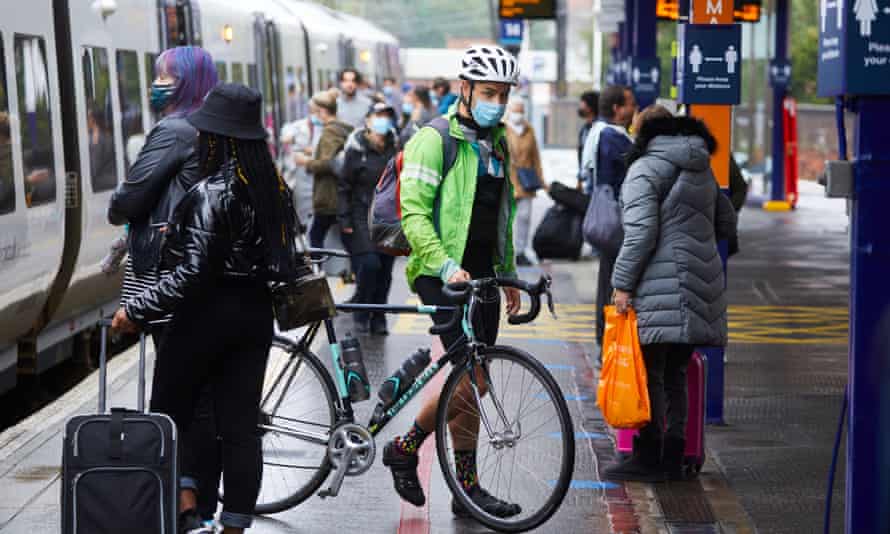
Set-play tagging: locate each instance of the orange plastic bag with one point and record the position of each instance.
(622, 394)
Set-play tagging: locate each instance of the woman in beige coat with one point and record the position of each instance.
(525, 160)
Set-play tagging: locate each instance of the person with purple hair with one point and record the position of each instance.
(166, 169)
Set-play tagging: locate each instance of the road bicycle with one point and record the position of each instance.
(525, 442)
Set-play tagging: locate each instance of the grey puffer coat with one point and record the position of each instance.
(673, 215)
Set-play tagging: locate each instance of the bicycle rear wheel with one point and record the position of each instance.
(298, 398)
(525, 454)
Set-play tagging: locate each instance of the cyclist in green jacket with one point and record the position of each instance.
(460, 228)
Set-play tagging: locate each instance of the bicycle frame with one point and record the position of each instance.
(467, 345)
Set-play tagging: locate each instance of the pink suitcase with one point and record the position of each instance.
(695, 422)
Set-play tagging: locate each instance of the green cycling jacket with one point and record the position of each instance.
(436, 212)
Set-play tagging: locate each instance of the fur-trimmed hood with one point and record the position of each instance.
(684, 141)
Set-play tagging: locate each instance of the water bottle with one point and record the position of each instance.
(402, 379)
(354, 370)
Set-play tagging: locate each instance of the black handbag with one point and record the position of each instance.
(307, 299)
(529, 179)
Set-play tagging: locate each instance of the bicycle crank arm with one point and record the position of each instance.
(339, 474)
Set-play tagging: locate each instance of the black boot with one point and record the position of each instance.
(644, 465)
(672, 462)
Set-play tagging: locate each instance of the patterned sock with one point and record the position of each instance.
(465, 465)
(410, 442)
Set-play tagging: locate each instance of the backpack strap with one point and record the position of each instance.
(449, 144)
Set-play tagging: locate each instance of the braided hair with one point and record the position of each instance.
(269, 195)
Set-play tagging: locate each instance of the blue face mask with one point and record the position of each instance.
(315, 120)
(381, 125)
(487, 114)
(407, 108)
(387, 90)
(160, 95)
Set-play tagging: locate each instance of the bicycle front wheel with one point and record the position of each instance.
(517, 424)
(297, 411)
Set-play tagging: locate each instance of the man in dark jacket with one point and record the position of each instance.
(324, 190)
(603, 164)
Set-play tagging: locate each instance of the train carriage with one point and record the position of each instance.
(74, 79)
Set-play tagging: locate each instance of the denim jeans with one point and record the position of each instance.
(373, 277)
(219, 337)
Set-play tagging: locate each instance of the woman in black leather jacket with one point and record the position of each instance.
(166, 168)
(228, 238)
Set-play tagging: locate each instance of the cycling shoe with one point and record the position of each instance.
(490, 504)
(404, 474)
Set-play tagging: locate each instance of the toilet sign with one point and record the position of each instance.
(709, 64)
(854, 47)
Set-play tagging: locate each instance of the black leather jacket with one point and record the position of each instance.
(167, 167)
(212, 236)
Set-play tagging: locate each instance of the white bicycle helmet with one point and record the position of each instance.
(489, 63)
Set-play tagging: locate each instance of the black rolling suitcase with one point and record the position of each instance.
(119, 468)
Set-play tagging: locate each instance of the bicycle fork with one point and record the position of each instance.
(508, 437)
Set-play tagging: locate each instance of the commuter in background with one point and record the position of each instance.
(352, 104)
(233, 234)
(738, 193)
(670, 272)
(166, 168)
(300, 138)
(603, 162)
(392, 93)
(525, 173)
(324, 179)
(297, 106)
(442, 97)
(368, 151)
(588, 107)
(418, 108)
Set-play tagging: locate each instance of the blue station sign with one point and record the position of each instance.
(854, 47)
(645, 79)
(709, 64)
(780, 73)
(511, 32)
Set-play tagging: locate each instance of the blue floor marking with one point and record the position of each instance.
(559, 367)
(578, 435)
(589, 484)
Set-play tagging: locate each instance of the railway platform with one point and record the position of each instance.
(766, 466)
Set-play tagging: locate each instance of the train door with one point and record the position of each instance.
(268, 51)
(32, 176)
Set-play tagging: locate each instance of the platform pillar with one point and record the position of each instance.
(777, 191)
(868, 458)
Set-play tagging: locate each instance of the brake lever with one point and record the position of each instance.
(550, 305)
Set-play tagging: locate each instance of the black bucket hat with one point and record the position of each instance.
(232, 110)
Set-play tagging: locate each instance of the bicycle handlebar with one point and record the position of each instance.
(459, 292)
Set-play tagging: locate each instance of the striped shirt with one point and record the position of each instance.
(134, 284)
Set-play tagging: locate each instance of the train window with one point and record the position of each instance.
(7, 180)
(253, 79)
(222, 71)
(129, 92)
(35, 120)
(100, 122)
(237, 73)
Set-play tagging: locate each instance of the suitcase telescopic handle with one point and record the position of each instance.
(105, 324)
